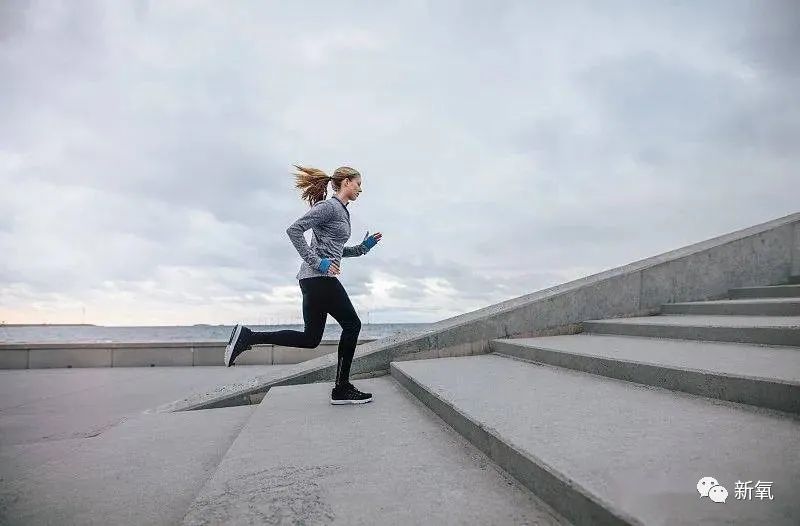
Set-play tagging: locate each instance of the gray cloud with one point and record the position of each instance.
(504, 149)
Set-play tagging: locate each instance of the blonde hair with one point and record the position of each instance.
(314, 182)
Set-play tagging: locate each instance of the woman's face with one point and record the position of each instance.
(353, 187)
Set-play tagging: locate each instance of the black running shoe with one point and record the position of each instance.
(347, 394)
(354, 388)
(237, 343)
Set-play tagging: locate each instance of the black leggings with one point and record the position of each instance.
(321, 295)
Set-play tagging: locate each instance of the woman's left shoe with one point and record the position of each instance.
(237, 344)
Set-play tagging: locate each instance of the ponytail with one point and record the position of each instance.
(314, 182)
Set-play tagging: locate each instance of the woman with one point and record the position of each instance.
(329, 221)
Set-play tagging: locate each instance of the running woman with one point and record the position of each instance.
(323, 293)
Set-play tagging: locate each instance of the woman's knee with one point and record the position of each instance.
(312, 340)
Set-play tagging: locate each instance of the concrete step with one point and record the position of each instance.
(742, 307)
(604, 451)
(301, 460)
(145, 470)
(751, 374)
(772, 291)
(768, 330)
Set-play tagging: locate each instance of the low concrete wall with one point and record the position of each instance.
(44, 355)
(759, 255)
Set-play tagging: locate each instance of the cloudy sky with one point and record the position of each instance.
(505, 147)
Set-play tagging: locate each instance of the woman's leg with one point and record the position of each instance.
(340, 307)
(314, 316)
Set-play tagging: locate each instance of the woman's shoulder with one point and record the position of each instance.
(323, 203)
(323, 208)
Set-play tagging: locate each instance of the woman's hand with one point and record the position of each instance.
(371, 241)
(328, 266)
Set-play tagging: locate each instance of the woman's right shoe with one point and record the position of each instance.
(236, 344)
(348, 394)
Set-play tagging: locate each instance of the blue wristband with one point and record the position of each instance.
(324, 264)
(369, 241)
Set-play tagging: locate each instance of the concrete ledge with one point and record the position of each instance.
(758, 255)
(765, 330)
(773, 393)
(215, 355)
(49, 357)
(775, 291)
(151, 356)
(14, 359)
(753, 307)
(67, 355)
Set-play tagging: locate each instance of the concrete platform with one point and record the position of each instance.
(769, 330)
(769, 291)
(604, 451)
(144, 471)
(56, 404)
(767, 376)
(77, 446)
(301, 460)
(743, 307)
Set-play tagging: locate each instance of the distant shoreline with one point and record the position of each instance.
(77, 334)
(47, 325)
(195, 325)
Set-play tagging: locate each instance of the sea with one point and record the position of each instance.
(10, 333)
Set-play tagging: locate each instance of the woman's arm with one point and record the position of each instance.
(354, 251)
(363, 247)
(319, 214)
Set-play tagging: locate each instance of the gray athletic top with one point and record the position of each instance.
(329, 221)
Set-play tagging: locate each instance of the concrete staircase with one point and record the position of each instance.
(615, 425)
(300, 460)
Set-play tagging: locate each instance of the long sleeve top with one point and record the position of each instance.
(329, 221)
